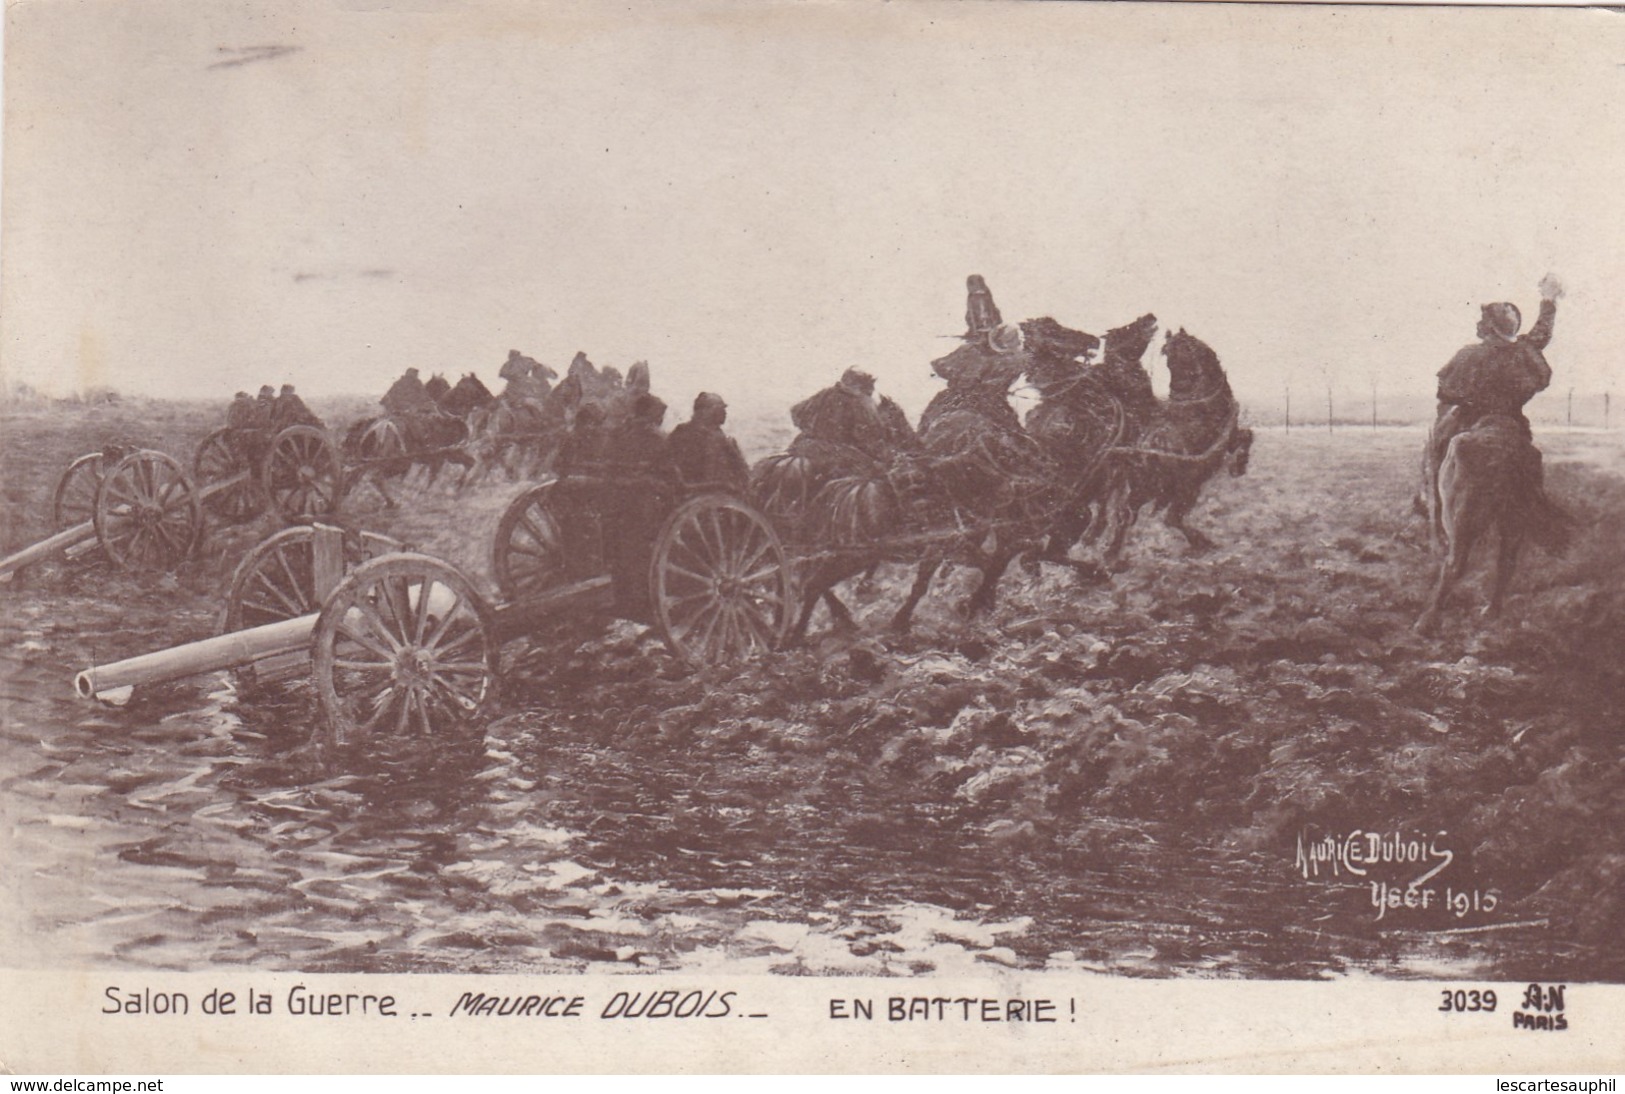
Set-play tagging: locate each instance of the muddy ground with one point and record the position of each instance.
(1130, 778)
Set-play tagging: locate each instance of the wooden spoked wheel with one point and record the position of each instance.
(75, 499)
(303, 474)
(403, 649)
(147, 513)
(720, 583)
(548, 535)
(280, 578)
(224, 472)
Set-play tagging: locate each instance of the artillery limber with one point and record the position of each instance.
(143, 510)
(404, 644)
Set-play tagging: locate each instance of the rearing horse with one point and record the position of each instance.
(1192, 435)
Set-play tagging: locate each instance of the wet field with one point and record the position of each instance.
(1099, 778)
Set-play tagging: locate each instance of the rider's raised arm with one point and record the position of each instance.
(1541, 333)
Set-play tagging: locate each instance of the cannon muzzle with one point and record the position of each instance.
(224, 651)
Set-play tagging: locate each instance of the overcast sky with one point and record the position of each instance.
(205, 197)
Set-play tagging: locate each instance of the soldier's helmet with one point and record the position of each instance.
(856, 380)
(1502, 320)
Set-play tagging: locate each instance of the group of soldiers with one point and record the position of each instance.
(847, 428)
(616, 425)
(607, 424)
(1497, 375)
(269, 413)
(696, 452)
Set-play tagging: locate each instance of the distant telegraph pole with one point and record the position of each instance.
(1571, 408)
(1373, 402)
(1607, 396)
(1289, 408)
(1328, 406)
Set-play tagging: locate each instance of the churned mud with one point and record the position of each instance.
(1172, 773)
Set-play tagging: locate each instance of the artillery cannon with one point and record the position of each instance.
(143, 510)
(139, 507)
(403, 643)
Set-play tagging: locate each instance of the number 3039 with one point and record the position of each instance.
(1464, 1001)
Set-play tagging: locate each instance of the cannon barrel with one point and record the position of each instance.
(224, 651)
(62, 542)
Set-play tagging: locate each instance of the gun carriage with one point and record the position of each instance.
(143, 510)
(405, 644)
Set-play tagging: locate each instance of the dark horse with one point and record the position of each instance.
(1085, 412)
(1489, 481)
(974, 491)
(389, 446)
(1187, 440)
(517, 429)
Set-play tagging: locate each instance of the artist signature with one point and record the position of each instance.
(1404, 862)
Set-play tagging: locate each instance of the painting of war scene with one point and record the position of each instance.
(472, 520)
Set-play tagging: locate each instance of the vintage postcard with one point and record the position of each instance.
(756, 537)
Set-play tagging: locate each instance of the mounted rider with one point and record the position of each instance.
(290, 410)
(980, 372)
(842, 423)
(406, 396)
(527, 380)
(1496, 375)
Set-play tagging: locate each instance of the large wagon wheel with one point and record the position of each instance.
(220, 459)
(545, 538)
(282, 578)
(403, 648)
(719, 581)
(303, 474)
(278, 579)
(74, 501)
(147, 513)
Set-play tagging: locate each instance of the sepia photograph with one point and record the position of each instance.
(967, 521)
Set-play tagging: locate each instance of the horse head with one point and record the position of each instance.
(475, 388)
(1194, 371)
(1129, 342)
(470, 394)
(1047, 338)
(437, 387)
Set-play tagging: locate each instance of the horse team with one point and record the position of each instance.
(973, 484)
